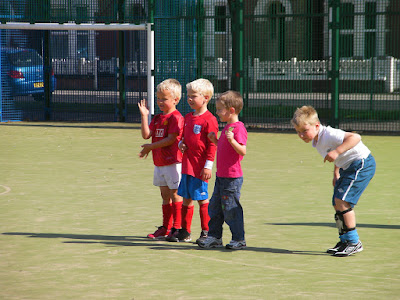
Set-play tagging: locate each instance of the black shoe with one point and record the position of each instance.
(203, 236)
(339, 246)
(184, 236)
(350, 249)
(173, 235)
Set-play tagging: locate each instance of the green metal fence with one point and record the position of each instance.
(343, 57)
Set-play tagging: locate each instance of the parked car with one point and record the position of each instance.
(24, 69)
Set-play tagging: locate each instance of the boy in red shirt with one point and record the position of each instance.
(165, 130)
(198, 157)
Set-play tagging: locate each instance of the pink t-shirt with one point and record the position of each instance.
(228, 160)
(161, 126)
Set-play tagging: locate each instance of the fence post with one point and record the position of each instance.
(47, 76)
(150, 59)
(390, 69)
(200, 17)
(121, 70)
(237, 43)
(334, 24)
(1, 79)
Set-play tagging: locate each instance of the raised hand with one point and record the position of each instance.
(144, 111)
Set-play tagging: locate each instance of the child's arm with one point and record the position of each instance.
(144, 112)
(206, 173)
(349, 141)
(239, 148)
(213, 137)
(211, 149)
(182, 146)
(336, 175)
(169, 140)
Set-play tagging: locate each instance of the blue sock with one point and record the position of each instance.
(351, 236)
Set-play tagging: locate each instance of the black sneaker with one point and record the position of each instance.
(336, 248)
(173, 235)
(203, 236)
(184, 236)
(350, 249)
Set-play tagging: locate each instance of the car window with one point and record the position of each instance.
(25, 58)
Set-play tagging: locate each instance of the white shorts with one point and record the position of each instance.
(168, 176)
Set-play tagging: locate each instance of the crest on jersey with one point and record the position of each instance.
(159, 132)
(197, 129)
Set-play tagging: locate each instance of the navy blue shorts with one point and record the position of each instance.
(354, 180)
(193, 188)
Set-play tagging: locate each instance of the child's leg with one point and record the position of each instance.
(187, 214)
(232, 209)
(176, 209)
(215, 213)
(347, 191)
(346, 221)
(166, 206)
(203, 211)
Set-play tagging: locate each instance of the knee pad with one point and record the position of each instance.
(340, 223)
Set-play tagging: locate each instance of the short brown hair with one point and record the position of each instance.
(231, 99)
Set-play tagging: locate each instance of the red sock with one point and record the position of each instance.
(167, 215)
(204, 217)
(177, 213)
(187, 216)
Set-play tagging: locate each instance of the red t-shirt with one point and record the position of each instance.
(161, 126)
(199, 147)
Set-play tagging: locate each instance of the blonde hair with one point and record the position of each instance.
(305, 115)
(171, 85)
(231, 99)
(201, 86)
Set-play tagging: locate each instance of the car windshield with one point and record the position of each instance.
(25, 58)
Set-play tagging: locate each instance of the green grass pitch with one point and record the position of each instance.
(76, 203)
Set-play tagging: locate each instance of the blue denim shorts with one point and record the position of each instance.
(354, 180)
(193, 188)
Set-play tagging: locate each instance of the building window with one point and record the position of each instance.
(370, 30)
(137, 13)
(347, 30)
(82, 14)
(220, 19)
(370, 15)
(59, 13)
(59, 44)
(277, 28)
(277, 19)
(82, 44)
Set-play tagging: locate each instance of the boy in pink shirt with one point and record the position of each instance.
(224, 204)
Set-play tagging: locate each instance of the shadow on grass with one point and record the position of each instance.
(73, 124)
(380, 226)
(111, 240)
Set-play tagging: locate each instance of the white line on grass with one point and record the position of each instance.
(7, 189)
